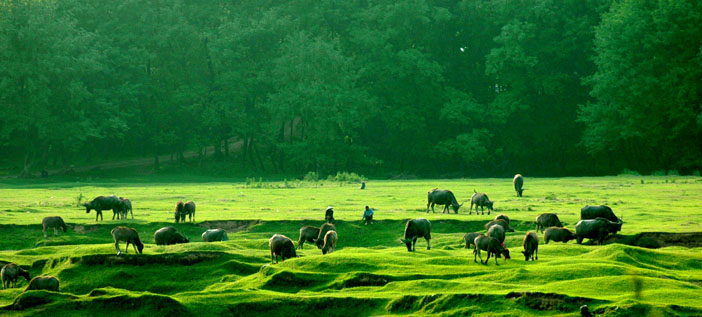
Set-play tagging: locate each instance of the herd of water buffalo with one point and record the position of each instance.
(596, 222)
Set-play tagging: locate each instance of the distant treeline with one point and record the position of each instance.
(419, 87)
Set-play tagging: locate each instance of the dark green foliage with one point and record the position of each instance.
(385, 88)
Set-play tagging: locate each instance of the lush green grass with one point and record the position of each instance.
(371, 273)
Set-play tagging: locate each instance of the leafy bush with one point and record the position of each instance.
(311, 177)
(345, 177)
(627, 171)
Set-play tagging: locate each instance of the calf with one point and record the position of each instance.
(492, 246)
(469, 237)
(480, 200)
(55, 223)
(416, 228)
(558, 235)
(531, 246)
(547, 220)
(329, 242)
(128, 235)
(282, 246)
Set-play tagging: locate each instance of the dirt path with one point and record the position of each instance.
(234, 146)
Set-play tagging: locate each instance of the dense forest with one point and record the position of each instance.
(442, 88)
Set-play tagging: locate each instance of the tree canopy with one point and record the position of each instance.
(422, 87)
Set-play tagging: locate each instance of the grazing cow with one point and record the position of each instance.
(169, 235)
(531, 246)
(547, 220)
(442, 197)
(469, 237)
(503, 217)
(307, 234)
(492, 246)
(518, 182)
(125, 209)
(101, 203)
(128, 235)
(330, 242)
(322, 232)
(505, 225)
(592, 212)
(497, 232)
(281, 246)
(48, 283)
(55, 223)
(329, 215)
(417, 228)
(213, 235)
(480, 200)
(595, 229)
(183, 209)
(558, 235)
(10, 273)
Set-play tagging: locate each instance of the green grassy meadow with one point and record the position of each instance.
(371, 273)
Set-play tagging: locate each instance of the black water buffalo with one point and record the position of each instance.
(48, 283)
(442, 197)
(101, 203)
(307, 234)
(322, 232)
(592, 212)
(492, 246)
(169, 235)
(330, 242)
(596, 229)
(213, 235)
(518, 182)
(469, 237)
(417, 228)
(10, 273)
(183, 209)
(497, 232)
(558, 235)
(281, 246)
(547, 220)
(503, 217)
(55, 223)
(505, 225)
(128, 235)
(480, 200)
(531, 246)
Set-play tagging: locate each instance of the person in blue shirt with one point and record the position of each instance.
(368, 215)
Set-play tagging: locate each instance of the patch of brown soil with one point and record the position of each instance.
(187, 258)
(653, 240)
(230, 225)
(548, 301)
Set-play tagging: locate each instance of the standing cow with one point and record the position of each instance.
(500, 222)
(596, 229)
(101, 203)
(125, 209)
(480, 200)
(330, 242)
(492, 246)
(55, 223)
(442, 197)
(417, 228)
(307, 234)
(183, 209)
(322, 232)
(602, 211)
(558, 235)
(518, 182)
(546, 220)
(10, 273)
(497, 232)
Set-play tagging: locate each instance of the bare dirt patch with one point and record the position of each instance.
(187, 258)
(230, 225)
(654, 240)
(548, 301)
